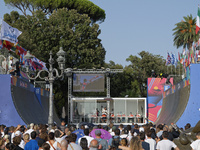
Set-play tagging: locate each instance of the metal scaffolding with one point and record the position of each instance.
(69, 72)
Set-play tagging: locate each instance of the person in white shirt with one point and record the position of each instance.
(30, 130)
(59, 135)
(89, 139)
(166, 144)
(152, 142)
(196, 144)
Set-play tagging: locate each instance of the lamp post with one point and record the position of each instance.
(52, 74)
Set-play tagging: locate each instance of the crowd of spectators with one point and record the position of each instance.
(130, 137)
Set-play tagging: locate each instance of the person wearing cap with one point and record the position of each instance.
(102, 142)
(19, 134)
(89, 139)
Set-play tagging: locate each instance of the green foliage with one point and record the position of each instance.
(185, 32)
(48, 6)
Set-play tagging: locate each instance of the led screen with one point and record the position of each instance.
(88, 82)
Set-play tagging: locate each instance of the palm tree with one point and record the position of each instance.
(185, 33)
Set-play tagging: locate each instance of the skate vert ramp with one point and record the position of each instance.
(183, 106)
(192, 111)
(30, 106)
(173, 106)
(8, 114)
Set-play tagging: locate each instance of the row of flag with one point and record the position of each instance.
(185, 58)
(8, 40)
(171, 59)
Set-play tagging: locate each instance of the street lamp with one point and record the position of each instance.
(52, 75)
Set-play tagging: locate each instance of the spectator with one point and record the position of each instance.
(2, 145)
(145, 145)
(26, 138)
(45, 146)
(58, 135)
(72, 145)
(32, 144)
(30, 130)
(135, 144)
(94, 145)
(152, 142)
(10, 146)
(170, 136)
(54, 145)
(125, 133)
(135, 129)
(187, 126)
(64, 144)
(124, 142)
(112, 133)
(62, 127)
(84, 144)
(88, 138)
(115, 141)
(159, 130)
(101, 141)
(16, 142)
(121, 127)
(22, 143)
(196, 144)
(166, 144)
(40, 143)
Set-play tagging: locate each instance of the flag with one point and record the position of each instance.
(176, 60)
(197, 22)
(172, 59)
(168, 60)
(38, 64)
(9, 33)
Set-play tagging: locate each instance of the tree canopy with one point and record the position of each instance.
(65, 28)
(185, 32)
(48, 6)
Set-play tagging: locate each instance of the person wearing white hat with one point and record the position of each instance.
(22, 143)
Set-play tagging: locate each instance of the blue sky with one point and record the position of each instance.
(132, 26)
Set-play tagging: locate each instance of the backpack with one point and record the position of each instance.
(115, 142)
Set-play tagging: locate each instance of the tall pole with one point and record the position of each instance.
(50, 119)
(51, 80)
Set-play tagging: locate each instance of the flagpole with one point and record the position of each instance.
(171, 68)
